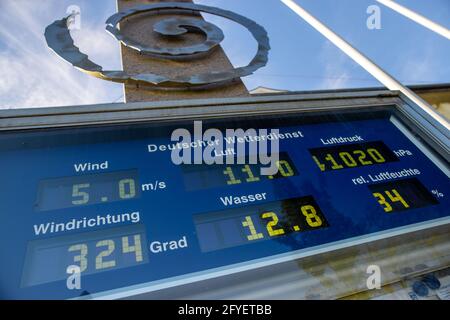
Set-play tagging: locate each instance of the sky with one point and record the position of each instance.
(300, 58)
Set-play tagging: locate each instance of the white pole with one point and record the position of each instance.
(390, 82)
(427, 23)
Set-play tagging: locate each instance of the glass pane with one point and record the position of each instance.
(300, 57)
(435, 10)
(33, 76)
(408, 51)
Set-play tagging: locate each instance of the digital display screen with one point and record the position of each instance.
(204, 176)
(402, 195)
(352, 155)
(93, 252)
(111, 200)
(87, 189)
(235, 227)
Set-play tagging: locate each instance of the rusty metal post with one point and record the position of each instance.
(140, 29)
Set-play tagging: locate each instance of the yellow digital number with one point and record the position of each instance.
(230, 174)
(320, 165)
(77, 193)
(131, 189)
(382, 201)
(335, 165)
(284, 168)
(137, 248)
(272, 232)
(311, 216)
(99, 263)
(253, 234)
(81, 258)
(362, 157)
(251, 176)
(348, 159)
(396, 197)
(376, 155)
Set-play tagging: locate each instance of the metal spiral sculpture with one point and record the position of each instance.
(60, 41)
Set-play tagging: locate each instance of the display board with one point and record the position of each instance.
(110, 200)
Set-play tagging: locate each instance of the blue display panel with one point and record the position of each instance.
(110, 200)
